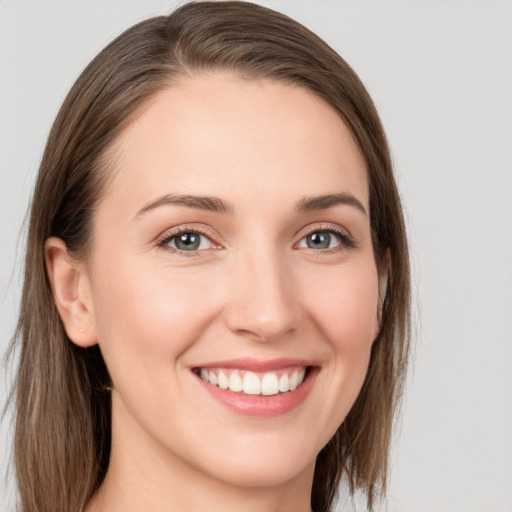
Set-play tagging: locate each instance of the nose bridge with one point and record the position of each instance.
(262, 302)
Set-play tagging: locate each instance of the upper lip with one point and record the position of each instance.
(256, 365)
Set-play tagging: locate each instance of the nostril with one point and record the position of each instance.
(266, 333)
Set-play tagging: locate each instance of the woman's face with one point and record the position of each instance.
(233, 246)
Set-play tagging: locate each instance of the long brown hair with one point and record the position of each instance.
(62, 433)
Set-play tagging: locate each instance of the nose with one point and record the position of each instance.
(262, 303)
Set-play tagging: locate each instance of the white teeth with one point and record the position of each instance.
(284, 384)
(223, 381)
(293, 380)
(269, 384)
(252, 385)
(212, 378)
(235, 382)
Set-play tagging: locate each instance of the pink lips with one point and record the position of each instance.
(260, 405)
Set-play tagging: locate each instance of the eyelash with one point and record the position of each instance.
(346, 240)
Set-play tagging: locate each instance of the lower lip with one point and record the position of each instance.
(261, 405)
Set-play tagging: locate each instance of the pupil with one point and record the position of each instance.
(187, 241)
(319, 240)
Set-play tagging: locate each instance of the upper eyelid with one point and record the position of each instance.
(323, 226)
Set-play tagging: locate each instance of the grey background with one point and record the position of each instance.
(440, 73)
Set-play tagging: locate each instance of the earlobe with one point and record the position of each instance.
(71, 292)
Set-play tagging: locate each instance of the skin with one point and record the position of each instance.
(254, 289)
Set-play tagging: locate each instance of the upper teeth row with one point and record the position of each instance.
(252, 384)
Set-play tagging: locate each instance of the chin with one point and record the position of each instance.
(260, 460)
(263, 473)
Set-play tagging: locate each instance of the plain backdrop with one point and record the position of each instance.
(440, 73)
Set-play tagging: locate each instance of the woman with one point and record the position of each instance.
(216, 301)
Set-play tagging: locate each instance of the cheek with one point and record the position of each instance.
(346, 307)
(145, 315)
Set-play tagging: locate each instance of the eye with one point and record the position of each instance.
(326, 239)
(320, 240)
(187, 241)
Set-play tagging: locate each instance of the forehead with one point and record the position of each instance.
(227, 136)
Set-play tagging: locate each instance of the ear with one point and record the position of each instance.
(71, 292)
(383, 271)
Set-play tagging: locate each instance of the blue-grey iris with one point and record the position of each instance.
(318, 240)
(188, 241)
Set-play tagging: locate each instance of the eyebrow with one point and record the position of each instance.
(212, 204)
(309, 204)
(215, 204)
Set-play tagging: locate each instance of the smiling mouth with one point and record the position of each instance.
(247, 382)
